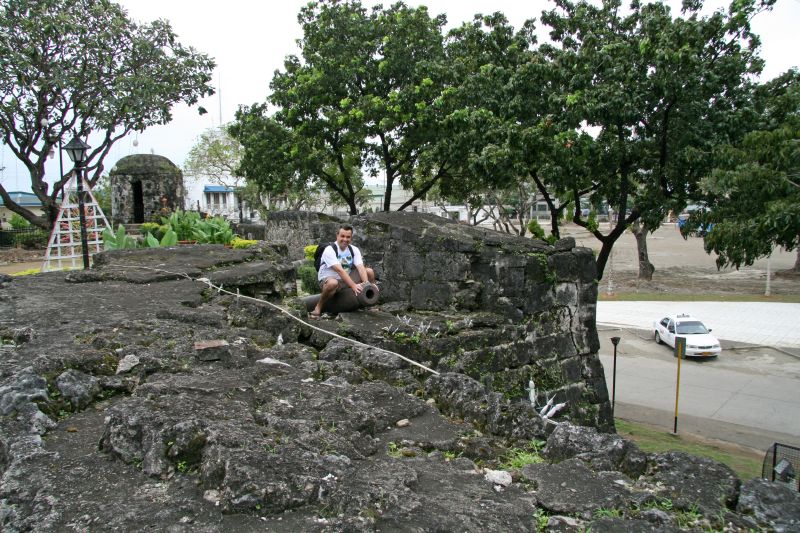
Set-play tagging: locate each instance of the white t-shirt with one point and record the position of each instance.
(345, 259)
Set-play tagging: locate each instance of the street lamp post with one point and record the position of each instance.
(76, 150)
(615, 341)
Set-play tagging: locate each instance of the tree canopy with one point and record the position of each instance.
(82, 66)
(622, 108)
(661, 93)
(361, 99)
(753, 194)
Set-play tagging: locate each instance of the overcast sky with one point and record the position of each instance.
(249, 40)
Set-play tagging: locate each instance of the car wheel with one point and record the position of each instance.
(658, 338)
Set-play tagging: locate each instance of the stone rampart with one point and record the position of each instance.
(544, 295)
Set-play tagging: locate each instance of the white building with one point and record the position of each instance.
(218, 200)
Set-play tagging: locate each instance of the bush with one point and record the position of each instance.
(308, 279)
(154, 228)
(17, 222)
(239, 243)
(118, 240)
(215, 230)
(535, 229)
(183, 223)
(30, 238)
(309, 252)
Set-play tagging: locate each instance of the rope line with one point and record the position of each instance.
(219, 289)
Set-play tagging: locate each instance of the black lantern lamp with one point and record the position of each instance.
(76, 150)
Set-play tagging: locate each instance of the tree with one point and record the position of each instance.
(276, 162)
(81, 67)
(661, 93)
(361, 98)
(753, 194)
(215, 157)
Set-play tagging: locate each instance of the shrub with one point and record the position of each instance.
(169, 239)
(18, 222)
(591, 222)
(118, 240)
(535, 229)
(215, 230)
(239, 243)
(309, 252)
(30, 238)
(308, 279)
(154, 228)
(182, 223)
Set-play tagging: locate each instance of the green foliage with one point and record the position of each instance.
(308, 279)
(18, 222)
(214, 230)
(641, 78)
(30, 238)
(154, 228)
(215, 156)
(607, 513)
(517, 458)
(102, 194)
(119, 240)
(170, 238)
(309, 251)
(239, 243)
(182, 223)
(86, 66)
(591, 222)
(686, 519)
(377, 75)
(753, 194)
(535, 229)
(542, 518)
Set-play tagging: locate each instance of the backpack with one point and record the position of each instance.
(321, 248)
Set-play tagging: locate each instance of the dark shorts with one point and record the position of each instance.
(354, 275)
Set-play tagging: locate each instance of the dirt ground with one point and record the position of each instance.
(682, 266)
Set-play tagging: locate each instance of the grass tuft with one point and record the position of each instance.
(652, 440)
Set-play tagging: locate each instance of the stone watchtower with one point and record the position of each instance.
(137, 184)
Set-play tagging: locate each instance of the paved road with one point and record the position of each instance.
(749, 395)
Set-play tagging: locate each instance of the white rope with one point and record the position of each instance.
(219, 289)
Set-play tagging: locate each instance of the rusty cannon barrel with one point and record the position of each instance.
(345, 300)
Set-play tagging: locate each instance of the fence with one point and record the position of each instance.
(23, 238)
(781, 464)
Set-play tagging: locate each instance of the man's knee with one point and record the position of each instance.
(370, 275)
(330, 285)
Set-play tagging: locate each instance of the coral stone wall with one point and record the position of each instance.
(137, 184)
(546, 296)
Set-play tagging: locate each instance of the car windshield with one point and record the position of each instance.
(691, 327)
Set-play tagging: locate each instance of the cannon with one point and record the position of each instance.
(345, 300)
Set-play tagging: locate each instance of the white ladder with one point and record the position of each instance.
(64, 250)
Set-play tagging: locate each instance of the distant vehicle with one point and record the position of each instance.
(702, 231)
(699, 340)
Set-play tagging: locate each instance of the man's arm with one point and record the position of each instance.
(346, 277)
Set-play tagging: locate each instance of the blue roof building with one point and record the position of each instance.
(28, 200)
(25, 199)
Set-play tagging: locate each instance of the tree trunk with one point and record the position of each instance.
(797, 260)
(646, 268)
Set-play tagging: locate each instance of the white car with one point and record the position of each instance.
(699, 340)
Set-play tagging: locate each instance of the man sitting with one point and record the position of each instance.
(336, 269)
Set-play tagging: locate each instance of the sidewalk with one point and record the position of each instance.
(758, 323)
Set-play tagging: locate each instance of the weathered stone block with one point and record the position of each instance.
(564, 265)
(212, 350)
